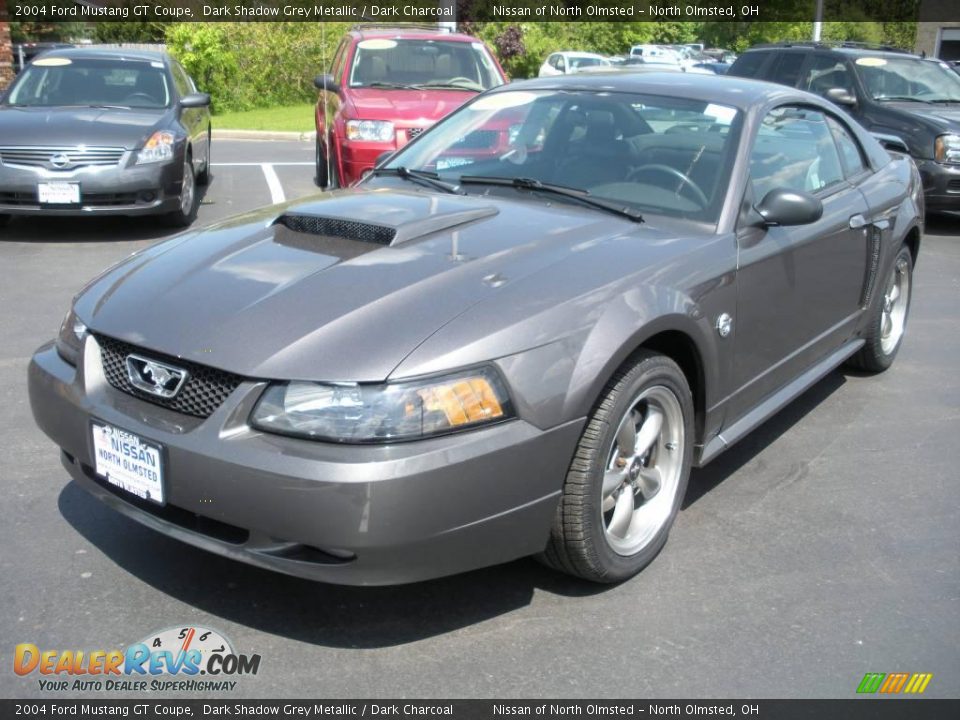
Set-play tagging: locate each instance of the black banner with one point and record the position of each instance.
(432, 11)
(859, 709)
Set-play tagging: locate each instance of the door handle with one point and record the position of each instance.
(858, 221)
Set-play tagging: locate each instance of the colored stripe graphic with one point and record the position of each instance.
(894, 683)
(918, 683)
(870, 683)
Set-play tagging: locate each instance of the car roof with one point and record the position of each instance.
(845, 49)
(579, 53)
(402, 33)
(723, 90)
(104, 53)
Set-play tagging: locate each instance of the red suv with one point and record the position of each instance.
(387, 86)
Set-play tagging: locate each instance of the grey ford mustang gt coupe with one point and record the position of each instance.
(93, 131)
(515, 337)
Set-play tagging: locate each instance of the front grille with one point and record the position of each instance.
(337, 228)
(414, 132)
(29, 199)
(72, 157)
(205, 390)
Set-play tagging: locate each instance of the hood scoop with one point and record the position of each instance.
(333, 229)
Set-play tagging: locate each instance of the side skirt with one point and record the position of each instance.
(774, 403)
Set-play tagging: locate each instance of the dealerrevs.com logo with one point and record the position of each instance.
(181, 659)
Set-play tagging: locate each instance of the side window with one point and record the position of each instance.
(748, 65)
(825, 73)
(180, 80)
(794, 149)
(552, 61)
(850, 153)
(561, 63)
(338, 57)
(786, 68)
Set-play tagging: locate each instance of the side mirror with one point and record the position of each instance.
(789, 207)
(840, 96)
(195, 100)
(326, 82)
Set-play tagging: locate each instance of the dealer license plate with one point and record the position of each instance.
(59, 193)
(129, 462)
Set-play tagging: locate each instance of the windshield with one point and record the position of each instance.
(908, 78)
(654, 154)
(423, 63)
(582, 62)
(58, 81)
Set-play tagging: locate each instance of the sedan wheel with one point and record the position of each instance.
(888, 321)
(187, 212)
(628, 476)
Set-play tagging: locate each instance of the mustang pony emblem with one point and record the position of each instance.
(154, 377)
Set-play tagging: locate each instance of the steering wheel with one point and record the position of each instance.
(674, 173)
(140, 96)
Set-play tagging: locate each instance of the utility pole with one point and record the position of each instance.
(818, 21)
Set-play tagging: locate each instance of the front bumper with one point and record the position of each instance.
(123, 189)
(357, 515)
(941, 185)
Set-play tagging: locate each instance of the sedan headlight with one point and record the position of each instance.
(70, 339)
(946, 149)
(373, 130)
(159, 148)
(384, 412)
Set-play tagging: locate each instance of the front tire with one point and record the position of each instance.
(205, 175)
(323, 177)
(628, 475)
(888, 322)
(189, 200)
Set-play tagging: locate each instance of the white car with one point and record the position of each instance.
(567, 62)
(656, 54)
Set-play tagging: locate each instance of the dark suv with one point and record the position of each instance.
(911, 104)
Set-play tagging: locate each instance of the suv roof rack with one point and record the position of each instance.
(400, 26)
(834, 45)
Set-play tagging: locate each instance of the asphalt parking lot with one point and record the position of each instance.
(824, 546)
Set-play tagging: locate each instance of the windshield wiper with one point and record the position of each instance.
(945, 100)
(387, 85)
(901, 98)
(424, 178)
(446, 86)
(562, 190)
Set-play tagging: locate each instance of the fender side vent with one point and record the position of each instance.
(337, 228)
(873, 264)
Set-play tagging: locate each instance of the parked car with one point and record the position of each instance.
(656, 54)
(911, 104)
(717, 68)
(454, 364)
(567, 62)
(103, 132)
(23, 53)
(387, 86)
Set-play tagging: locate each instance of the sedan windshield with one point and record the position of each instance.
(423, 64)
(646, 154)
(59, 81)
(908, 78)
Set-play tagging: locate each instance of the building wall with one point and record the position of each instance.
(935, 16)
(6, 56)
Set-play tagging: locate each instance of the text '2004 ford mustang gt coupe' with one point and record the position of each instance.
(471, 357)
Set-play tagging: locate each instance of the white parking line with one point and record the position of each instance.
(273, 182)
(256, 164)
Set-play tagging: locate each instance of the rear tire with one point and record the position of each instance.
(888, 321)
(628, 475)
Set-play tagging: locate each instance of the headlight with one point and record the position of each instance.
(374, 130)
(383, 412)
(159, 148)
(70, 339)
(946, 149)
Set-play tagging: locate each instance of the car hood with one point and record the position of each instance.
(282, 294)
(406, 105)
(68, 126)
(945, 116)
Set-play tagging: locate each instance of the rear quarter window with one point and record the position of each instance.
(749, 64)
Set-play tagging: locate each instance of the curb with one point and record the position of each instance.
(262, 135)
